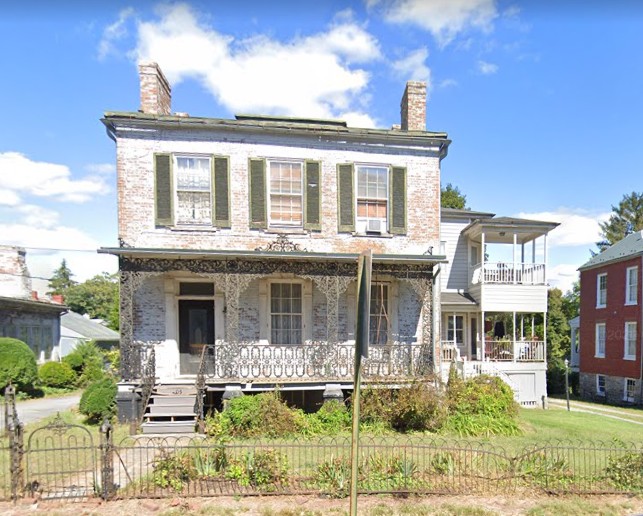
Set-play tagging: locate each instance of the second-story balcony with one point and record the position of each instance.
(507, 273)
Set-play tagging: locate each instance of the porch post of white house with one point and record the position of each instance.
(515, 345)
(545, 336)
(483, 332)
(482, 252)
(514, 270)
(533, 320)
(545, 261)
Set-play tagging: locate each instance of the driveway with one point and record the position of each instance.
(35, 410)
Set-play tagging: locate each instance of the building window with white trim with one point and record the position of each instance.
(601, 290)
(630, 341)
(286, 193)
(629, 388)
(286, 313)
(631, 285)
(372, 199)
(600, 385)
(193, 190)
(600, 340)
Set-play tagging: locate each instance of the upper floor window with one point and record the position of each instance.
(601, 290)
(600, 340)
(629, 352)
(631, 285)
(372, 199)
(193, 190)
(286, 193)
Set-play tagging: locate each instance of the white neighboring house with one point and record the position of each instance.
(492, 287)
(76, 328)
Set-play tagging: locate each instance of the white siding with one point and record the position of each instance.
(514, 298)
(455, 274)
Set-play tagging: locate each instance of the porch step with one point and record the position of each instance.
(168, 427)
(170, 410)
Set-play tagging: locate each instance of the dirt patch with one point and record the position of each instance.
(312, 505)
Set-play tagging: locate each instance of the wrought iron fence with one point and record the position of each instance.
(62, 460)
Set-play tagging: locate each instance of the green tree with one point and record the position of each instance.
(558, 341)
(626, 218)
(571, 301)
(97, 297)
(61, 281)
(452, 197)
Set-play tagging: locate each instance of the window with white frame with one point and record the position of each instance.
(379, 318)
(600, 385)
(629, 352)
(601, 290)
(285, 193)
(600, 340)
(455, 329)
(286, 313)
(631, 285)
(193, 190)
(372, 199)
(629, 388)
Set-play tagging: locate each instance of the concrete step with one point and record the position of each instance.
(172, 401)
(168, 410)
(175, 390)
(168, 427)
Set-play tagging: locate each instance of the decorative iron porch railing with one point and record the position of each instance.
(309, 362)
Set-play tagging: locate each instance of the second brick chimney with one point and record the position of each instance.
(413, 107)
(156, 94)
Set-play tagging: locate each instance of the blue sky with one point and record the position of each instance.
(541, 99)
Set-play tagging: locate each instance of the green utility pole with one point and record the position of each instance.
(361, 351)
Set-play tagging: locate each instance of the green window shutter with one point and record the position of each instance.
(345, 198)
(397, 201)
(163, 190)
(258, 192)
(221, 191)
(312, 196)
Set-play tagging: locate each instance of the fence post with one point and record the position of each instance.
(107, 459)
(15, 430)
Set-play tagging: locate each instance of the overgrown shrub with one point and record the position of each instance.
(173, 470)
(332, 418)
(87, 361)
(17, 364)
(418, 407)
(626, 471)
(261, 414)
(376, 406)
(264, 469)
(99, 400)
(333, 477)
(57, 374)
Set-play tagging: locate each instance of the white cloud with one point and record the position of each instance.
(37, 216)
(312, 76)
(101, 169)
(413, 66)
(577, 227)
(486, 68)
(20, 175)
(562, 276)
(114, 32)
(444, 19)
(447, 83)
(8, 197)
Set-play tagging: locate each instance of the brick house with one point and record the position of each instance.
(239, 242)
(493, 287)
(23, 315)
(610, 362)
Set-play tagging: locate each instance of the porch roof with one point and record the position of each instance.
(457, 298)
(502, 229)
(306, 256)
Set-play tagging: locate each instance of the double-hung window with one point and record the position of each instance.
(372, 199)
(286, 194)
(631, 285)
(379, 318)
(629, 352)
(193, 190)
(601, 290)
(629, 388)
(455, 329)
(600, 340)
(600, 385)
(286, 313)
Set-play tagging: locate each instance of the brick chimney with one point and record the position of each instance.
(156, 94)
(413, 107)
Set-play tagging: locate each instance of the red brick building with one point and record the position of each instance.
(610, 323)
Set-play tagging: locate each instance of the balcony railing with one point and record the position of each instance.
(506, 273)
(309, 362)
(450, 351)
(514, 351)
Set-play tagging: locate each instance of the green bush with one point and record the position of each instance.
(17, 364)
(264, 469)
(626, 471)
(57, 374)
(99, 400)
(418, 407)
(376, 406)
(87, 361)
(332, 418)
(260, 414)
(173, 470)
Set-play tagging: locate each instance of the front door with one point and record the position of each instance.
(196, 329)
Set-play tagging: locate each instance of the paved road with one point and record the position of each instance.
(34, 410)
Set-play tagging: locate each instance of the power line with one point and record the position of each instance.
(56, 249)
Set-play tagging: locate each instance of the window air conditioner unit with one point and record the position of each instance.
(374, 226)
